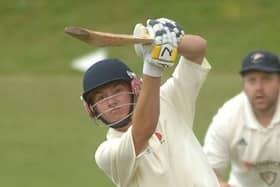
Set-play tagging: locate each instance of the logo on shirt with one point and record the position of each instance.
(267, 170)
(242, 142)
(159, 136)
(268, 177)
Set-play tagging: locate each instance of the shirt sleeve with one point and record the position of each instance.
(117, 158)
(217, 140)
(181, 90)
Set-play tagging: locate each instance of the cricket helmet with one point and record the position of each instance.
(104, 72)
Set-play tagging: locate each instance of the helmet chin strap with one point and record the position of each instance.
(120, 123)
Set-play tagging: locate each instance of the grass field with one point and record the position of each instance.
(46, 139)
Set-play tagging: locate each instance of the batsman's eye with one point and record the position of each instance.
(99, 97)
(117, 90)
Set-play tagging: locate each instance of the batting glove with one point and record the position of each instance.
(162, 53)
(173, 27)
(150, 67)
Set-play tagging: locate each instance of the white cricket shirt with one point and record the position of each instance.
(254, 151)
(173, 157)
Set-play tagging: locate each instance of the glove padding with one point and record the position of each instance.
(150, 67)
(167, 34)
(175, 30)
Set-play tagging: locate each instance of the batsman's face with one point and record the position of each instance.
(262, 90)
(113, 101)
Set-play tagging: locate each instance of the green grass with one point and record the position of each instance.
(46, 138)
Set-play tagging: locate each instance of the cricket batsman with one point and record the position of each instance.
(150, 141)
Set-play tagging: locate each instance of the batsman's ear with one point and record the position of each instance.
(136, 84)
(88, 108)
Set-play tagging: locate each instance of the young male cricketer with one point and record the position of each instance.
(246, 129)
(150, 141)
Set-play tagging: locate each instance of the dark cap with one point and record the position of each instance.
(260, 61)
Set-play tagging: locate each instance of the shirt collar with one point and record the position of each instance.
(113, 133)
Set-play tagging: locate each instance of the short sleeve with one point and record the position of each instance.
(117, 158)
(180, 92)
(217, 140)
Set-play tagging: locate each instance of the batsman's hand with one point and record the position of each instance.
(163, 52)
(173, 31)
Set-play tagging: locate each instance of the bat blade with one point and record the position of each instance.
(105, 39)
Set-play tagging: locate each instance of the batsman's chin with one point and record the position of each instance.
(115, 116)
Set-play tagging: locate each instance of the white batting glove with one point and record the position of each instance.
(150, 67)
(165, 43)
(162, 53)
(173, 27)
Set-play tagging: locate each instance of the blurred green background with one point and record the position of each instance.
(46, 138)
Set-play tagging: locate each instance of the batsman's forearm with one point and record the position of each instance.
(146, 113)
(193, 48)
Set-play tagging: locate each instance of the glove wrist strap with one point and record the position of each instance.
(152, 70)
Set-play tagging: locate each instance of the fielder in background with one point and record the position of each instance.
(150, 141)
(246, 130)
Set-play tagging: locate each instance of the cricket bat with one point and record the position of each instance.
(105, 39)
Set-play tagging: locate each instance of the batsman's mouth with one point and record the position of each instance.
(115, 110)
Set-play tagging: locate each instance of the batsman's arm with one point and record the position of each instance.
(146, 113)
(193, 48)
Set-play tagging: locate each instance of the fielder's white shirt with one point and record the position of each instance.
(254, 151)
(173, 157)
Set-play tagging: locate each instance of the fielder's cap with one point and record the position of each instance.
(260, 61)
